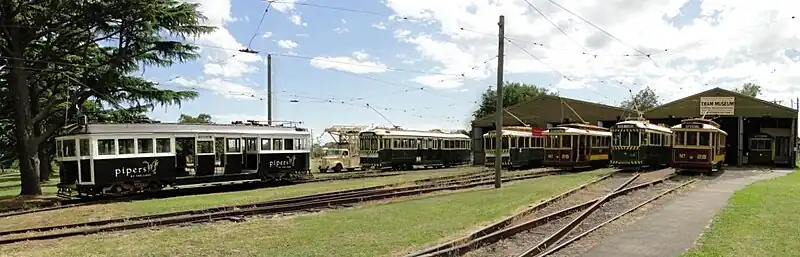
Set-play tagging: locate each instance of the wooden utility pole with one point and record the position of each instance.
(269, 89)
(498, 131)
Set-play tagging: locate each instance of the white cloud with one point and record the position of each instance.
(379, 25)
(731, 42)
(219, 86)
(297, 20)
(301, 35)
(216, 57)
(356, 64)
(266, 34)
(341, 30)
(284, 5)
(360, 55)
(287, 44)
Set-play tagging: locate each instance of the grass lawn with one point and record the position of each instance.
(10, 185)
(105, 211)
(760, 220)
(392, 228)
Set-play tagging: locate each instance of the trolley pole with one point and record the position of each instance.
(498, 156)
(269, 89)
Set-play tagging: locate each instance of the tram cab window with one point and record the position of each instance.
(680, 137)
(704, 138)
(68, 148)
(277, 144)
(162, 145)
(514, 142)
(145, 145)
(106, 147)
(566, 141)
(691, 138)
(84, 147)
(126, 146)
(505, 142)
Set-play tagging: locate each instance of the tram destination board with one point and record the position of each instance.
(692, 126)
(625, 126)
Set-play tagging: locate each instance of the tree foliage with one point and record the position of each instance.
(61, 54)
(749, 89)
(200, 119)
(645, 99)
(513, 93)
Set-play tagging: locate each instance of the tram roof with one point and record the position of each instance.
(704, 127)
(507, 132)
(416, 133)
(134, 128)
(644, 125)
(567, 130)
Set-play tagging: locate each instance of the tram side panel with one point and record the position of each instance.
(280, 166)
(142, 170)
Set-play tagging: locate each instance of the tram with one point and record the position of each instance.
(638, 144)
(576, 146)
(518, 140)
(401, 149)
(115, 159)
(699, 146)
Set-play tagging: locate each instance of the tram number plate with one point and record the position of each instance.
(565, 156)
(702, 156)
(682, 156)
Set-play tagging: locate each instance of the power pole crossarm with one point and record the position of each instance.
(498, 157)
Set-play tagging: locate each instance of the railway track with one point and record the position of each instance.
(187, 192)
(289, 205)
(553, 226)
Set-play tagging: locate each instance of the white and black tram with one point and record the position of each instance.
(114, 159)
(401, 149)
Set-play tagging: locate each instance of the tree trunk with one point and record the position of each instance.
(45, 166)
(26, 147)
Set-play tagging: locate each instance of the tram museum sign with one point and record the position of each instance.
(717, 105)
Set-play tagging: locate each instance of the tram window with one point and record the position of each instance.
(680, 138)
(265, 144)
(636, 139)
(69, 148)
(126, 146)
(691, 138)
(287, 144)
(106, 147)
(618, 138)
(653, 138)
(504, 144)
(705, 138)
(513, 142)
(566, 141)
(205, 146)
(162, 145)
(251, 144)
(234, 145)
(145, 145)
(276, 144)
(84, 147)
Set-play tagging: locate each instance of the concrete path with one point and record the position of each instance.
(673, 229)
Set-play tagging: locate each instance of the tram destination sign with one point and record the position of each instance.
(625, 126)
(692, 126)
(717, 105)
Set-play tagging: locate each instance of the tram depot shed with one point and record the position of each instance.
(544, 112)
(772, 126)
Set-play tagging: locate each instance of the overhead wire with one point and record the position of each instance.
(557, 27)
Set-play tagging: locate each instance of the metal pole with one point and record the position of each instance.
(269, 89)
(498, 159)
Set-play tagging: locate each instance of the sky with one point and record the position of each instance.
(424, 64)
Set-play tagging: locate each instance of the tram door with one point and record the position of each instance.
(185, 156)
(582, 148)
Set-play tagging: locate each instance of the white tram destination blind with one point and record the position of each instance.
(717, 105)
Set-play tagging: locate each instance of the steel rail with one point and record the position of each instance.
(281, 208)
(553, 249)
(506, 222)
(513, 230)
